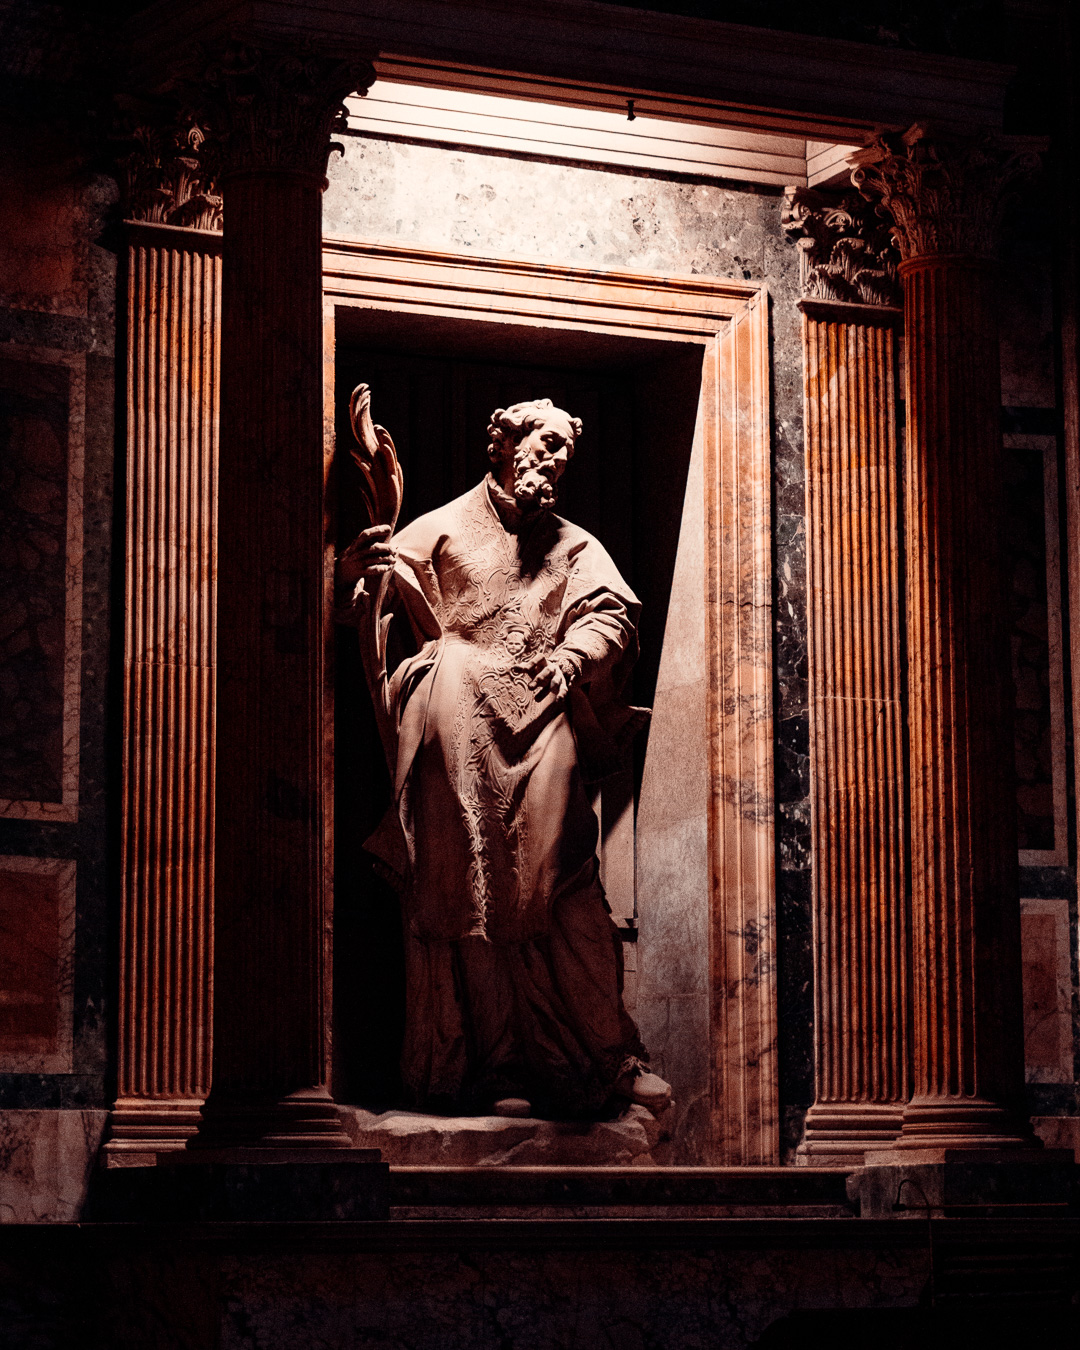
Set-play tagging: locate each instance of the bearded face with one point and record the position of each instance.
(534, 486)
(532, 471)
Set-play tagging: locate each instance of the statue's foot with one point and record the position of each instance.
(645, 1089)
(512, 1106)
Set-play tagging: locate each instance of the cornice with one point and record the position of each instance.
(826, 87)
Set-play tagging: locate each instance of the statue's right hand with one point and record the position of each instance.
(369, 555)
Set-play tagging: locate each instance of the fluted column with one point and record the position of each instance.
(270, 121)
(173, 285)
(967, 1063)
(855, 618)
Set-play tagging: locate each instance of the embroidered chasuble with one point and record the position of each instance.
(514, 966)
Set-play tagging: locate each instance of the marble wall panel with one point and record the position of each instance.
(46, 1161)
(42, 435)
(1048, 1032)
(1033, 552)
(1026, 300)
(47, 259)
(1032, 422)
(1058, 1132)
(37, 943)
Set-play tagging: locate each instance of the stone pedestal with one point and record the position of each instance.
(967, 1064)
(269, 126)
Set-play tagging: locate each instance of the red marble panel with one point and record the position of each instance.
(33, 532)
(42, 394)
(1048, 1050)
(36, 932)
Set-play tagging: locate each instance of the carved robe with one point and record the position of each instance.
(514, 967)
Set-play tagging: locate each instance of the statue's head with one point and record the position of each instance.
(531, 444)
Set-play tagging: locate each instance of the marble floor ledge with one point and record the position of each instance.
(457, 1235)
(614, 1192)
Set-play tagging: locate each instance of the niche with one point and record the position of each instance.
(435, 382)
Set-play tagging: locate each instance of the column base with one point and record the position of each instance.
(840, 1134)
(968, 1123)
(142, 1127)
(962, 1183)
(308, 1119)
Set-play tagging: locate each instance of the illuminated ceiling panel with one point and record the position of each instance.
(596, 136)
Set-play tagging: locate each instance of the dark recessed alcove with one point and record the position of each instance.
(435, 383)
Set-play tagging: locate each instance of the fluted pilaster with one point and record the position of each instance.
(855, 622)
(967, 1061)
(857, 770)
(174, 297)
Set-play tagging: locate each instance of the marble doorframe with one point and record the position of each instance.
(730, 320)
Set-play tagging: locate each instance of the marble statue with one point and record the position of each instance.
(524, 636)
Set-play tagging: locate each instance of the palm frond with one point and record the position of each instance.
(377, 459)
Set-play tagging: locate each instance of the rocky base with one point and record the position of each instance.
(409, 1138)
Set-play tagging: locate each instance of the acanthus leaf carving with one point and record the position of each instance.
(942, 194)
(270, 108)
(163, 177)
(845, 250)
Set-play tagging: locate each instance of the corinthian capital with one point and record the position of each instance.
(268, 108)
(941, 194)
(161, 176)
(845, 250)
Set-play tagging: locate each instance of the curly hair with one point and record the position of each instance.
(509, 425)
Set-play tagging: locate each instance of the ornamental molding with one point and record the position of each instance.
(942, 194)
(846, 253)
(268, 108)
